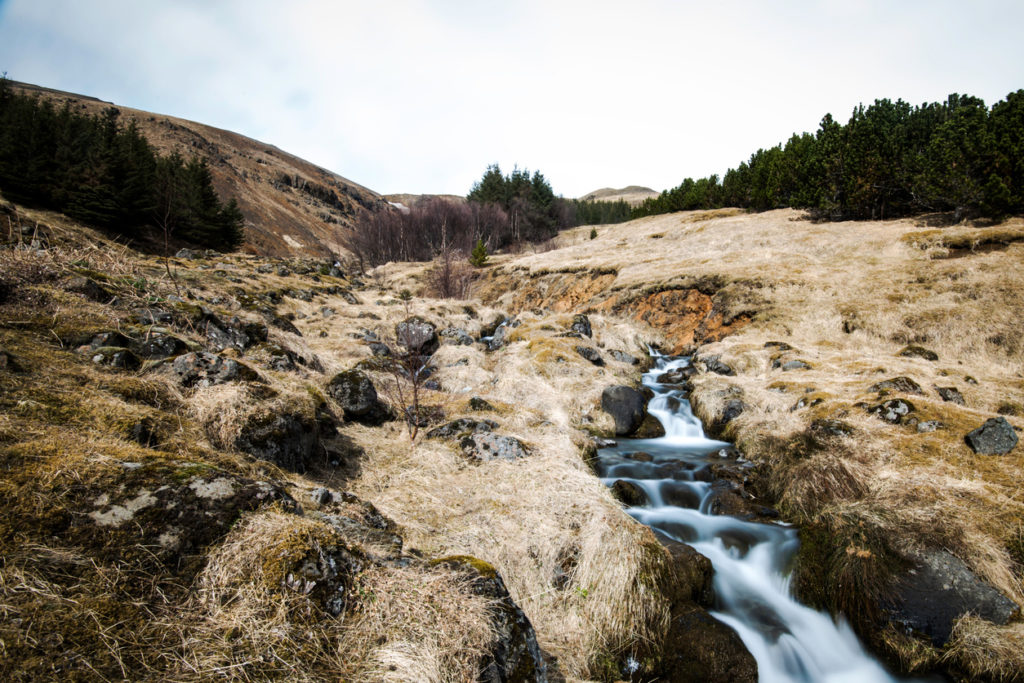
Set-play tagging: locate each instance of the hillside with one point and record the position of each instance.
(291, 207)
(848, 362)
(634, 195)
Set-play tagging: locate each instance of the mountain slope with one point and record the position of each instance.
(291, 207)
(633, 195)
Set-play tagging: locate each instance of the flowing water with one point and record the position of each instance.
(790, 642)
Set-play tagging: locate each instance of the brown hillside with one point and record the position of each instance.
(287, 202)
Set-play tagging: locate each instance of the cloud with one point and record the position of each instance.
(421, 95)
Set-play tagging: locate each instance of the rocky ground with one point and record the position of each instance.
(219, 470)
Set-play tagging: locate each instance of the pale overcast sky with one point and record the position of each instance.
(420, 96)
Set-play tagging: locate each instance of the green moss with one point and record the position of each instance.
(483, 568)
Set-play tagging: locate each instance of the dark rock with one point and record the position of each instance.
(153, 316)
(233, 333)
(726, 498)
(159, 346)
(781, 346)
(626, 406)
(491, 328)
(892, 411)
(795, 365)
(591, 354)
(679, 494)
(205, 369)
(354, 392)
(265, 268)
(457, 336)
(327, 312)
(460, 428)
(698, 648)
(115, 357)
(288, 440)
(629, 492)
(477, 403)
(995, 437)
(826, 428)
(88, 288)
(487, 446)
(514, 656)
(109, 339)
(950, 395)
(691, 575)
(8, 361)
(713, 364)
(380, 350)
(623, 357)
(187, 254)
(283, 324)
(903, 385)
(417, 336)
(918, 352)
(349, 297)
(283, 271)
(581, 325)
(638, 456)
(432, 385)
(650, 428)
(734, 407)
(939, 589)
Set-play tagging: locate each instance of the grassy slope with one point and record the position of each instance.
(848, 297)
(79, 602)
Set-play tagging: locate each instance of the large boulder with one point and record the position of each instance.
(417, 336)
(233, 333)
(591, 354)
(903, 385)
(995, 437)
(289, 440)
(700, 649)
(354, 392)
(514, 655)
(626, 406)
(939, 590)
(462, 427)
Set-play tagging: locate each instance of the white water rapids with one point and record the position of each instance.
(791, 642)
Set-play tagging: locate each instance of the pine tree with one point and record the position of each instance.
(478, 257)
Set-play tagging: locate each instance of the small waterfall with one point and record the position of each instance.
(791, 642)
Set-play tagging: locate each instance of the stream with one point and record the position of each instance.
(791, 642)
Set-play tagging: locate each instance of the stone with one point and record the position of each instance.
(581, 325)
(417, 336)
(354, 392)
(152, 316)
(929, 426)
(204, 369)
(349, 297)
(456, 336)
(698, 648)
(715, 365)
(623, 357)
(734, 407)
(995, 437)
(903, 385)
(185, 253)
(781, 346)
(494, 335)
(487, 446)
(918, 352)
(591, 354)
(462, 427)
(514, 655)
(795, 365)
(626, 406)
(88, 288)
(939, 589)
(629, 492)
(265, 268)
(650, 428)
(289, 440)
(159, 346)
(477, 403)
(115, 357)
(283, 271)
(892, 411)
(109, 339)
(233, 333)
(950, 395)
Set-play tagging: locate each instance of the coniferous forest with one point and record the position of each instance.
(106, 174)
(890, 159)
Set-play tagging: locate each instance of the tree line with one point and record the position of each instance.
(890, 159)
(105, 174)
